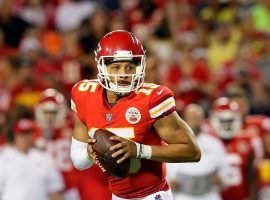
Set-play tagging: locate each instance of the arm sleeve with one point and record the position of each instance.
(79, 155)
(161, 103)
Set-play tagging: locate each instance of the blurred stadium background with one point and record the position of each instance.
(198, 48)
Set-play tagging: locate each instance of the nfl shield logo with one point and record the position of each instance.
(158, 197)
(108, 117)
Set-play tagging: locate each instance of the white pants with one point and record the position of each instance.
(209, 196)
(161, 195)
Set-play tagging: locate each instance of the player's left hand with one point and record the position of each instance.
(126, 147)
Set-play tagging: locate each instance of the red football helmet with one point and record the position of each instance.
(226, 118)
(120, 46)
(51, 110)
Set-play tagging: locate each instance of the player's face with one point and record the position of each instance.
(243, 104)
(50, 117)
(24, 140)
(124, 70)
(195, 119)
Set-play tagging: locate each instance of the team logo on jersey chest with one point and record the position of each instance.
(133, 115)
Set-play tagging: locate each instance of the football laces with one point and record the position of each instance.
(98, 163)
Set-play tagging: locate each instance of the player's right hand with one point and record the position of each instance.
(90, 150)
(92, 154)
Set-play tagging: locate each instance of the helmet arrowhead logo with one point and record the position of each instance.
(98, 48)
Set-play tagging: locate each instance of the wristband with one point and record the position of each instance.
(143, 151)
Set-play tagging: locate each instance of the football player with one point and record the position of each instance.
(26, 172)
(242, 145)
(260, 126)
(203, 180)
(56, 129)
(142, 115)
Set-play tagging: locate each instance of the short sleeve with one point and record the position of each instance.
(161, 102)
(77, 101)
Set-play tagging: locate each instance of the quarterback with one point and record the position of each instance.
(142, 115)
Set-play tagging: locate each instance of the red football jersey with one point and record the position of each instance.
(131, 117)
(260, 124)
(93, 184)
(240, 151)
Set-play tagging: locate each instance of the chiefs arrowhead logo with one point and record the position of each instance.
(133, 115)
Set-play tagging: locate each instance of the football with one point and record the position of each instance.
(104, 154)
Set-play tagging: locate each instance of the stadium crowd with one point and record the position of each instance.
(201, 49)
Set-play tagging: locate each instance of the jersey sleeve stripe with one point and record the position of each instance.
(73, 106)
(162, 107)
